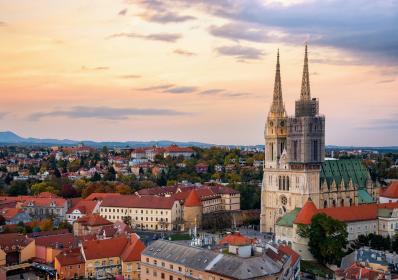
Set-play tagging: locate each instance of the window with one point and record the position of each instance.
(295, 150)
(315, 150)
(162, 275)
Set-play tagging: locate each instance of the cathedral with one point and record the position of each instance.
(294, 166)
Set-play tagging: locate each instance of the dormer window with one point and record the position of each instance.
(52, 204)
(30, 203)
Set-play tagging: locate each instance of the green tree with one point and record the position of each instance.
(18, 188)
(327, 239)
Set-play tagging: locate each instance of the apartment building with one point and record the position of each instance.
(144, 212)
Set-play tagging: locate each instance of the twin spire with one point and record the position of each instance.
(277, 104)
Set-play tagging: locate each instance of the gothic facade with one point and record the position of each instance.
(294, 165)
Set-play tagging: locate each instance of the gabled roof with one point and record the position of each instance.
(391, 191)
(193, 199)
(84, 206)
(70, 257)
(93, 220)
(101, 196)
(107, 248)
(289, 251)
(56, 241)
(363, 212)
(12, 242)
(133, 250)
(306, 213)
(10, 213)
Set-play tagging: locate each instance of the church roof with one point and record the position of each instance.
(288, 219)
(364, 197)
(306, 213)
(344, 170)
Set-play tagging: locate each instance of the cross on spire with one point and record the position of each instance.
(305, 84)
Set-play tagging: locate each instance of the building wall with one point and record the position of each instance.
(2, 257)
(153, 269)
(28, 252)
(192, 216)
(99, 267)
(69, 271)
(147, 218)
(131, 270)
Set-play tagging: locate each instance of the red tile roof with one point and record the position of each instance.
(193, 199)
(236, 239)
(101, 196)
(133, 249)
(12, 242)
(56, 241)
(93, 220)
(391, 191)
(107, 248)
(289, 251)
(48, 233)
(9, 213)
(133, 201)
(70, 257)
(306, 213)
(84, 206)
(362, 212)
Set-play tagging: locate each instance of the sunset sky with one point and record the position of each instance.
(190, 70)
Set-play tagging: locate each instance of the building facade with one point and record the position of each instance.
(295, 167)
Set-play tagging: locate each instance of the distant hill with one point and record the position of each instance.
(10, 138)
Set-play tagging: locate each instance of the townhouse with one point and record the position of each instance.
(118, 256)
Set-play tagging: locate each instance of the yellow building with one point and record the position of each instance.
(145, 212)
(112, 257)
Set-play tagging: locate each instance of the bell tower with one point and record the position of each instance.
(275, 135)
(276, 126)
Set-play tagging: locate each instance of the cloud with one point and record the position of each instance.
(3, 114)
(156, 88)
(183, 52)
(165, 37)
(107, 113)
(238, 31)
(129, 76)
(180, 90)
(122, 12)
(212, 91)
(386, 81)
(240, 52)
(390, 123)
(99, 68)
(2, 23)
(363, 27)
(166, 17)
(236, 94)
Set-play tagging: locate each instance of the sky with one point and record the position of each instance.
(190, 70)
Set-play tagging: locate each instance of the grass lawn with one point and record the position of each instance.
(180, 236)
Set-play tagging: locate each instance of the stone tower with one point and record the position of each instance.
(294, 151)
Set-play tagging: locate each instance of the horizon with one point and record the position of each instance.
(196, 72)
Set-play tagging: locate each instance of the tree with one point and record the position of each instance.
(46, 225)
(2, 220)
(18, 188)
(96, 177)
(68, 191)
(327, 239)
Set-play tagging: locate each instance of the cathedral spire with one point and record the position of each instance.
(277, 102)
(305, 84)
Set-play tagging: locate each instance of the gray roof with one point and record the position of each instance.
(206, 260)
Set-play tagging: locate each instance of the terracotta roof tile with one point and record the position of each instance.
(133, 249)
(306, 213)
(70, 257)
(107, 248)
(93, 220)
(289, 251)
(193, 199)
(236, 239)
(391, 191)
(133, 201)
(9, 213)
(84, 206)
